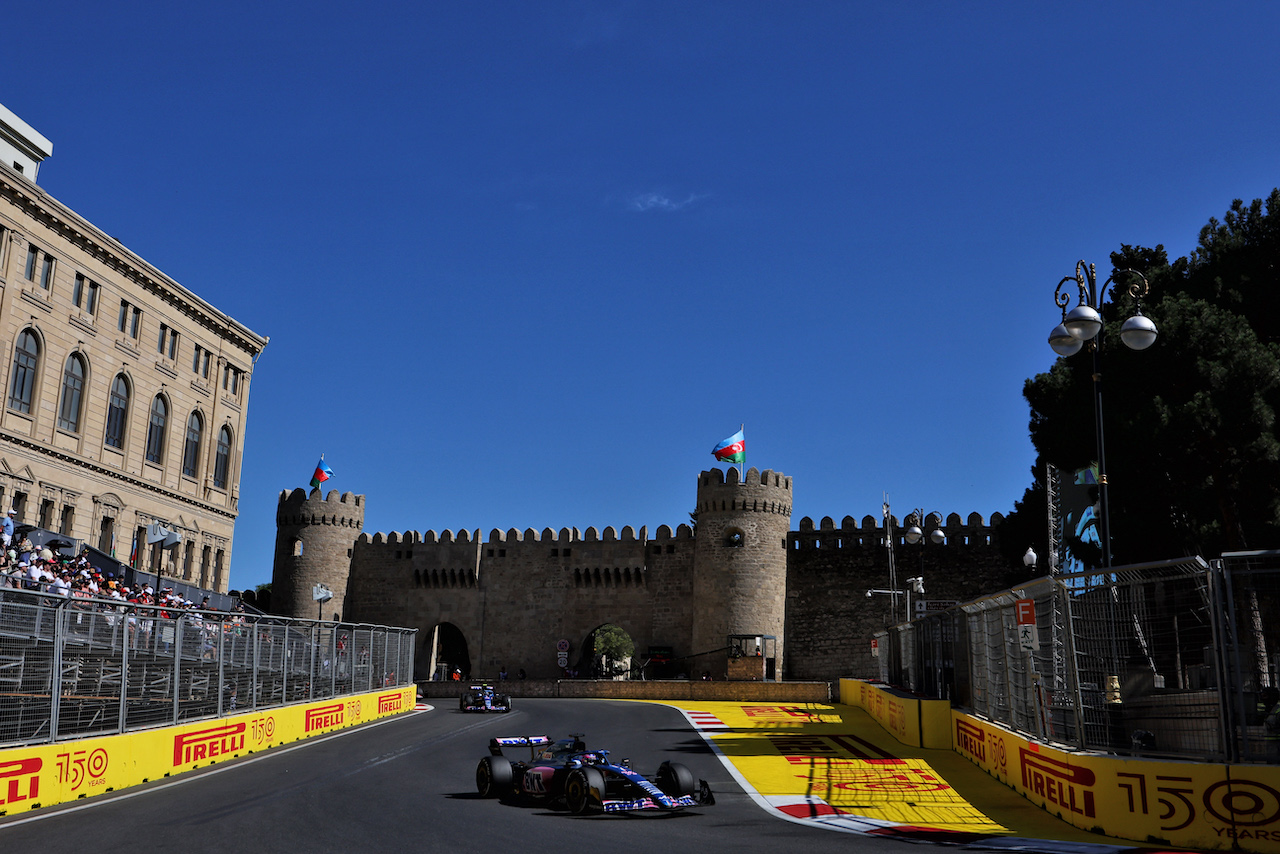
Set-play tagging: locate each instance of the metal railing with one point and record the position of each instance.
(73, 667)
(1167, 659)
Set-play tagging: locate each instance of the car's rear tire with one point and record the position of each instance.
(493, 777)
(676, 780)
(583, 791)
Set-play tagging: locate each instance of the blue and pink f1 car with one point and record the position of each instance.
(565, 773)
(483, 698)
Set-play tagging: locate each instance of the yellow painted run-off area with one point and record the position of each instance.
(44, 775)
(883, 763)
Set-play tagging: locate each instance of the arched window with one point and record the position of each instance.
(155, 431)
(26, 357)
(117, 412)
(72, 392)
(222, 463)
(191, 451)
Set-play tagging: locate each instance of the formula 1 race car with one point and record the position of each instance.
(482, 698)
(584, 781)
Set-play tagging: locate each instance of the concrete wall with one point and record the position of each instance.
(439, 693)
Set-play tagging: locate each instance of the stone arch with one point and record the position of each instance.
(606, 653)
(444, 650)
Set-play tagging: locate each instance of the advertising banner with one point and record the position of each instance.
(44, 775)
(1183, 804)
(911, 720)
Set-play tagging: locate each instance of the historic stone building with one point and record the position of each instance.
(518, 599)
(125, 394)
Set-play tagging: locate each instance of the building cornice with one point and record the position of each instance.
(116, 475)
(49, 212)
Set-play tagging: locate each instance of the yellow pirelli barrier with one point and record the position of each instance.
(910, 719)
(44, 775)
(1181, 804)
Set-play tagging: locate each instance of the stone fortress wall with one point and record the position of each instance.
(512, 595)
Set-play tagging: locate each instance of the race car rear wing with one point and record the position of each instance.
(530, 741)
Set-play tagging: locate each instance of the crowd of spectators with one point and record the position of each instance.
(24, 566)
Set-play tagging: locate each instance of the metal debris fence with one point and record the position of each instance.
(74, 667)
(1167, 659)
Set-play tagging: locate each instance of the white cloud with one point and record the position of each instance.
(658, 201)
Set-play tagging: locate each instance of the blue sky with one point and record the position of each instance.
(523, 265)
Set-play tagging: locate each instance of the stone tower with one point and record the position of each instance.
(740, 563)
(314, 538)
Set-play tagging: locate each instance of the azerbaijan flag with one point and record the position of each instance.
(731, 450)
(323, 473)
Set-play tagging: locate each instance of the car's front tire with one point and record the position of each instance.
(676, 780)
(493, 777)
(584, 791)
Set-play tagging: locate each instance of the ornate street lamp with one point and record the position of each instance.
(914, 534)
(1083, 325)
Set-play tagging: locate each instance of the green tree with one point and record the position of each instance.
(614, 645)
(1192, 455)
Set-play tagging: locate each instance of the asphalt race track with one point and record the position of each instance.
(409, 784)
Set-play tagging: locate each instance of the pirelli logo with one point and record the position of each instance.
(323, 717)
(207, 744)
(1070, 787)
(20, 780)
(390, 703)
(971, 739)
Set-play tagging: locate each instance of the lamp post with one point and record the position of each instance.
(913, 534)
(917, 522)
(1083, 325)
(893, 570)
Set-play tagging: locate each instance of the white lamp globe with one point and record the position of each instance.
(913, 535)
(1063, 342)
(1083, 322)
(1138, 332)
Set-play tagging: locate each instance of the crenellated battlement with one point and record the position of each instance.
(514, 536)
(753, 477)
(663, 533)
(756, 492)
(300, 496)
(967, 531)
(396, 538)
(297, 508)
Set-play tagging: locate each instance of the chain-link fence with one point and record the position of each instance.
(1176, 658)
(74, 667)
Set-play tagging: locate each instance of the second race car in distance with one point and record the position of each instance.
(565, 773)
(483, 698)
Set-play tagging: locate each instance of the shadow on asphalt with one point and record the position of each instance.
(540, 809)
(692, 745)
